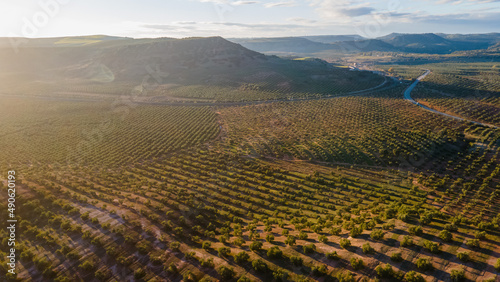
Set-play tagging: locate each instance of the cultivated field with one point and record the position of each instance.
(356, 188)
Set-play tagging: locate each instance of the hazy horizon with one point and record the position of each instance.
(202, 18)
(250, 37)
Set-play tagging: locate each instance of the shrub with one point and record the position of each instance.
(345, 243)
(357, 263)
(333, 255)
(172, 268)
(290, 240)
(87, 265)
(309, 248)
(175, 246)
(426, 219)
(124, 260)
(388, 226)
(368, 249)
(189, 276)
(303, 235)
(335, 231)
(223, 239)
(407, 241)
(280, 275)
(323, 239)
(241, 257)
(319, 270)
(296, 260)
(244, 279)
(463, 256)
(450, 227)
(256, 246)
(385, 271)
(85, 216)
(415, 230)
(481, 235)
(270, 238)
(139, 273)
(238, 242)
(209, 262)
(377, 234)
(259, 266)
(156, 260)
(274, 252)
(424, 264)
(143, 247)
(473, 243)
(346, 277)
(226, 273)
(26, 255)
(445, 235)
(497, 265)
(206, 245)
(397, 257)
(457, 275)
(413, 276)
(223, 251)
(355, 232)
(103, 274)
(431, 246)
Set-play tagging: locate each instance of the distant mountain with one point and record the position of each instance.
(394, 42)
(430, 43)
(367, 45)
(488, 38)
(401, 39)
(281, 45)
(333, 38)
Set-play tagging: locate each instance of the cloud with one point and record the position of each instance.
(301, 20)
(232, 29)
(281, 4)
(238, 3)
(469, 18)
(341, 10)
(356, 12)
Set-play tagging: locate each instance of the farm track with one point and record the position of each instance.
(407, 96)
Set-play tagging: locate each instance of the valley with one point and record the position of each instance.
(201, 159)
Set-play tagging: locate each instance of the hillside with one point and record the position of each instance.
(282, 44)
(430, 43)
(191, 68)
(333, 38)
(395, 42)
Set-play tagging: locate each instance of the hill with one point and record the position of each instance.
(205, 68)
(430, 43)
(489, 38)
(333, 38)
(282, 45)
(395, 42)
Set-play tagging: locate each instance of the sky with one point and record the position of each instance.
(240, 18)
